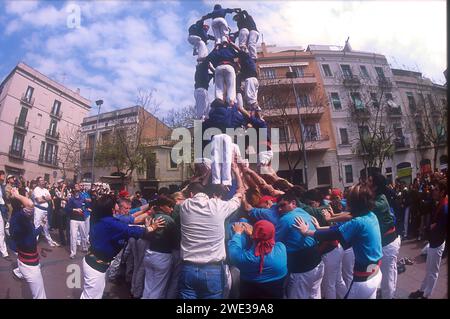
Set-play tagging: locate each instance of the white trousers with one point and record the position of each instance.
(239, 100)
(220, 29)
(138, 250)
(305, 285)
(389, 269)
(75, 227)
(33, 276)
(201, 103)
(225, 78)
(366, 289)
(332, 278)
(88, 227)
(157, 274)
(406, 222)
(199, 46)
(251, 86)
(348, 262)
(172, 290)
(39, 216)
(250, 40)
(221, 156)
(3, 249)
(434, 257)
(94, 282)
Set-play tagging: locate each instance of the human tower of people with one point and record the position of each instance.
(234, 231)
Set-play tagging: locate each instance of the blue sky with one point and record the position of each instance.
(124, 46)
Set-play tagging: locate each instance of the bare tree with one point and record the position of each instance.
(278, 101)
(70, 151)
(183, 117)
(146, 99)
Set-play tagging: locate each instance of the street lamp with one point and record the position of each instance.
(99, 104)
(291, 75)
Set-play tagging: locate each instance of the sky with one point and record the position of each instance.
(120, 47)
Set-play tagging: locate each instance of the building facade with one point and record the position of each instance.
(159, 171)
(37, 118)
(292, 95)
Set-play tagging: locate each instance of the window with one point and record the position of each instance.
(52, 128)
(344, 136)
(17, 142)
(312, 132)
(23, 116)
(299, 71)
(29, 93)
(356, 98)
(90, 141)
(324, 175)
(346, 70)
(106, 137)
(268, 73)
(364, 72)
(326, 70)
(380, 72)
(411, 101)
(336, 101)
(374, 99)
(56, 107)
(173, 165)
(303, 100)
(284, 134)
(49, 152)
(363, 132)
(348, 169)
(151, 166)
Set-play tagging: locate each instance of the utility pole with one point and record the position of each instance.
(290, 74)
(99, 104)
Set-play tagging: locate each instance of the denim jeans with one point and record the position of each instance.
(201, 281)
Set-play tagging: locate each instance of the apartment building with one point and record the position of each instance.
(363, 81)
(161, 171)
(427, 110)
(292, 95)
(37, 117)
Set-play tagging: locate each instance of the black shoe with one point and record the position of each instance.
(416, 295)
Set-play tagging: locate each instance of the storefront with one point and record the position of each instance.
(404, 173)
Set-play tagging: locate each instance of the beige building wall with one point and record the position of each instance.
(22, 137)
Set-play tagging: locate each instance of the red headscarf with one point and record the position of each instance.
(264, 236)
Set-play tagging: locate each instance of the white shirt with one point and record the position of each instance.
(203, 229)
(2, 202)
(38, 193)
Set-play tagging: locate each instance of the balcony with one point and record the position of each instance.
(394, 111)
(316, 143)
(57, 116)
(360, 112)
(384, 83)
(351, 81)
(306, 78)
(401, 144)
(291, 111)
(17, 154)
(21, 125)
(27, 101)
(52, 162)
(52, 135)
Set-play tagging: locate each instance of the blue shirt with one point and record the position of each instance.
(134, 210)
(109, 235)
(222, 54)
(219, 13)
(363, 233)
(248, 66)
(202, 77)
(23, 233)
(269, 214)
(275, 262)
(224, 117)
(126, 219)
(84, 196)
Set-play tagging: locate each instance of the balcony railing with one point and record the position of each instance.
(52, 162)
(351, 80)
(18, 154)
(360, 112)
(394, 111)
(384, 83)
(52, 135)
(27, 101)
(57, 116)
(401, 143)
(306, 78)
(21, 125)
(291, 110)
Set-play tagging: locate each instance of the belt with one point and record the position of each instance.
(41, 207)
(213, 263)
(359, 276)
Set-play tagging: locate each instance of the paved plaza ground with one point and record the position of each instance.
(57, 267)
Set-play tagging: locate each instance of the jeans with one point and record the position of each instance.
(201, 281)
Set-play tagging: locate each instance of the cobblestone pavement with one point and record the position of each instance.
(57, 268)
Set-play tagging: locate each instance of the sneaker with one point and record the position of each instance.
(17, 274)
(416, 295)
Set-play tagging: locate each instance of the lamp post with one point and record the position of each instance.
(99, 104)
(290, 74)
